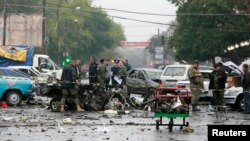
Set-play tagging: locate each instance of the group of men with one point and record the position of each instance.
(217, 83)
(104, 73)
(101, 74)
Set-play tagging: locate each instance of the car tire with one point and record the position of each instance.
(54, 104)
(240, 103)
(13, 98)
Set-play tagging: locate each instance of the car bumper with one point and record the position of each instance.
(31, 93)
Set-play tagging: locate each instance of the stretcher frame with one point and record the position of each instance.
(181, 93)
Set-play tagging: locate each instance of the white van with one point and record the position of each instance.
(174, 73)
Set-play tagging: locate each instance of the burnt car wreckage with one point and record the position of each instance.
(92, 99)
(90, 96)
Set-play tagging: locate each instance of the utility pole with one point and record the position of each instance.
(44, 44)
(57, 35)
(4, 22)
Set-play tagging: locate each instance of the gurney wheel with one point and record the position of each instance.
(157, 124)
(170, 125)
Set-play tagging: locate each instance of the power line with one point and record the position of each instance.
(168, 15)
(99, 13)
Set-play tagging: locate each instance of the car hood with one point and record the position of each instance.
(153, 82)
(231, 68)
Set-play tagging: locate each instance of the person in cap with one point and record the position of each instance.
(101, 71)
(217, 83)
(115, 70)
(107, 73)
(92, 70)
(196, 84)
(127, 65)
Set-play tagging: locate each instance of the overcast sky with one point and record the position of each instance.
(138, 31)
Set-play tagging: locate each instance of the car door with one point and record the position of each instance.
(141, 82)
(3, 84)
(131, 81)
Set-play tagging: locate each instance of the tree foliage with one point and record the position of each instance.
(206, 28)
(73, 26)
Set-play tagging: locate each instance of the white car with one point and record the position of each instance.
(33, 72)
(175, 73)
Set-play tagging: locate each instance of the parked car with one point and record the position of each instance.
(143, 80)
(174, 73)
(33, 73)
(161, 67)
(206, 94)
(14, 86)
(233, 96)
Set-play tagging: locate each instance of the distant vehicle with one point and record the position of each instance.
(143, 80)
(174, 73)
(14, 87)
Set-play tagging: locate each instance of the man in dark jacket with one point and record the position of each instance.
(217, 83)
(246, 88)
(115, 70)
(127, 65)
(92, 70)
(69, 81)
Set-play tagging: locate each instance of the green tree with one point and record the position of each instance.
(207, 27)
(73, 27)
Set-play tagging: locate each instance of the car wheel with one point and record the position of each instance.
(55, 104)
(13, 98)
(240, 103)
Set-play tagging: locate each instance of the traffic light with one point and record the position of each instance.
(162, 40)
(66, 60)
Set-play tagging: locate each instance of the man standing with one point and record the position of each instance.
(217, 84)
(92, 70)
(78, 69)
(122, 74)
(69, 81)
(107, 73)
(115, 70)
(196, 84)
(246, 88)
(127, 65)
(101, 71)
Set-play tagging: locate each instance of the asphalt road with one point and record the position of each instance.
(40, 124)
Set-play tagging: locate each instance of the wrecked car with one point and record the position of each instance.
(143, 81)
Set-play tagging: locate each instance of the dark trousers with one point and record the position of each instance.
(106, 81)
(218, 97)
(92, 79)
(247, 101)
